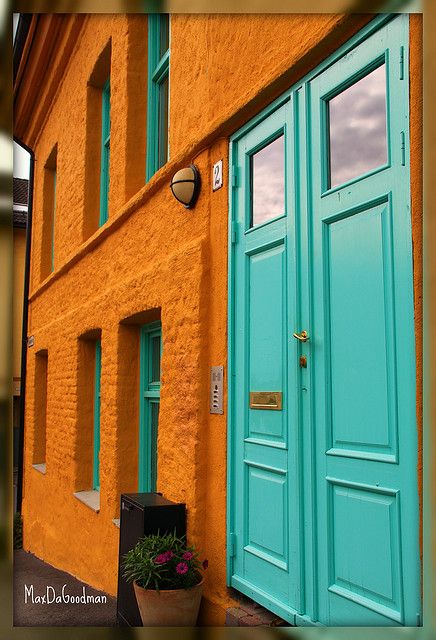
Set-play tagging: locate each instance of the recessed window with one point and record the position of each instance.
(105, 150)
(40, 407)
(155, 358)
(357, 128)
(164, 34)
(86, 454)
(54, 178)
(163, 121)
(268, 182)
(49, 214)
(96, 440)
(97, 144)
(158, 91)
(150, 356)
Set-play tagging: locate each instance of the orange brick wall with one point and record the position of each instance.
(152, 254)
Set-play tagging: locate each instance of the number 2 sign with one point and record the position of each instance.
(217, 180)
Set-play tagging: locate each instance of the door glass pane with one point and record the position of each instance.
(154, 421)
(357, 122)
(268, 182)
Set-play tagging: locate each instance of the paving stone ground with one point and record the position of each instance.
(31, 571)
(251, 614)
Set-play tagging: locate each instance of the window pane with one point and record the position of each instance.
(154, 419)
(155, 359)
(97, 401)
(54, 219)
(163, 121)
(105, 152)
(164, 36)
(357, 118)
(153, 453)
(268, 182)
(106, 107)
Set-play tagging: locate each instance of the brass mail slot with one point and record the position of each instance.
(266, 400)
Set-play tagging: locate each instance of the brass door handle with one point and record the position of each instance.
(303, 337)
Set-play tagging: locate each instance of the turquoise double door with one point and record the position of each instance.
(323, 515)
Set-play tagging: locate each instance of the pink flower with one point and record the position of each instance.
(164, 557)
(182, 568)
(188, 555)
(205, 564)
(161, 559)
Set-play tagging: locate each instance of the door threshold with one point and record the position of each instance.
(270, 603)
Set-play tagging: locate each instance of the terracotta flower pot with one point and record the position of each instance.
(172, 608)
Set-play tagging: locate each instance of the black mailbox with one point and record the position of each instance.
(142, 514)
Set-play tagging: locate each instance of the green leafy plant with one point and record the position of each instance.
(163, 562)
(18, 531)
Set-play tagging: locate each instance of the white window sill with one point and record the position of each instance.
(41, 467)
(116, 522)
(90, 498)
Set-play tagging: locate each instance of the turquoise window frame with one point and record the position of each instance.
(96, 439)
(54, 218)
(158, 72)
(105, 151)
(149, 398)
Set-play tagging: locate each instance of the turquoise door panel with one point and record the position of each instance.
(323, 504)
(267, 352)
(365, 559)
(357, 249)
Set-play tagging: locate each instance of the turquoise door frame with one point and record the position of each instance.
(322, 506)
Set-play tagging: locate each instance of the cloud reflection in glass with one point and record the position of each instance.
(268, 182)
(357, 121)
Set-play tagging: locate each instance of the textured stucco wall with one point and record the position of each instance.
(152, 254)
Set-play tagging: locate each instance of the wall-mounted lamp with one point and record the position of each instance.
(185, 186)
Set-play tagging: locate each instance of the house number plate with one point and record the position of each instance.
(266, 400)
(217, 179)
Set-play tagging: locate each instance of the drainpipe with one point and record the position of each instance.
(24, 329)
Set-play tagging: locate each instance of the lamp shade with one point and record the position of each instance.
(185, 186)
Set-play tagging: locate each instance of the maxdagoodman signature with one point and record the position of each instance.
(51, 596)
